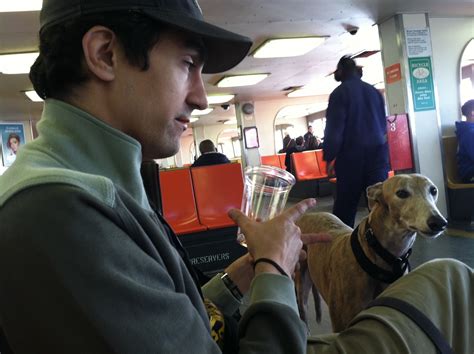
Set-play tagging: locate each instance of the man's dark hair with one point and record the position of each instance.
(59, 66)
(206, 146)
(299, 140)
(467, 108)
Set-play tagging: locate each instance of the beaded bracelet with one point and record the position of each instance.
(272, 262)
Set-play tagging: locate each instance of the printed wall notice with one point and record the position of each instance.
(13, 137)
(418, 42)
(422, 88)
(393, 73)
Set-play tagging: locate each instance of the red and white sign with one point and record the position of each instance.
(393, 73)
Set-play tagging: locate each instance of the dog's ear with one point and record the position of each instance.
(375, 195)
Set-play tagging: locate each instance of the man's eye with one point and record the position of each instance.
(402, 194)
(189, 63)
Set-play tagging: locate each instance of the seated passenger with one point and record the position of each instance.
(286, 143)
(297, 147)
(465, 134)
(209, 155)
(313, 143)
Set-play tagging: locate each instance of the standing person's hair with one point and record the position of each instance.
(60, 67)
(347, 67)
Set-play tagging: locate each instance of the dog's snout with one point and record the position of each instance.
(437, 223)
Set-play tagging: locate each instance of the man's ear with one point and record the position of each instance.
(100, 52)
(375, 195)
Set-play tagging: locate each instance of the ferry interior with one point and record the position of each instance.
(247, 121)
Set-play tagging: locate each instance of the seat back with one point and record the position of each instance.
(450, 144)
(218, 189)
(321, 163)
(179, 206)
(305, 166)
(282, 157)
(271, 160)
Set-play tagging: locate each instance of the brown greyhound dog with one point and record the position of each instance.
(359, 264)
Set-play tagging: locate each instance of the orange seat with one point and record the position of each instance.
(179, 207)
(282, 157)
(271, 160)
(305, 166)
(218, 189)
(321, 163)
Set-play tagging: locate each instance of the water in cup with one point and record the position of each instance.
(266, 190)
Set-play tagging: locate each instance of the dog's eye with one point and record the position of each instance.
(402, 194)
(433, 190)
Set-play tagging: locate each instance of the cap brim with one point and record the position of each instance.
(225, 49)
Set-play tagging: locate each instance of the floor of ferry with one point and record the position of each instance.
(448, 245)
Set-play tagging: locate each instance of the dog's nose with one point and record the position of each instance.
(436, 223)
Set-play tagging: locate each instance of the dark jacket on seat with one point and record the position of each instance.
(210, 158)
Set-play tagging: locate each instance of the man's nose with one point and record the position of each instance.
(197, 95)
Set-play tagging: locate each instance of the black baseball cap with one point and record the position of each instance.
(225, 49)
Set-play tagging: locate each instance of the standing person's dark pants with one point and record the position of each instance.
(356, 170)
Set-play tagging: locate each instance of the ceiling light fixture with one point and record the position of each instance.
(23, 5)
(203, 112)
(32, 95)
(241, 80)
(287, 47)
(19, 63)
(217, 99)
(231, 121)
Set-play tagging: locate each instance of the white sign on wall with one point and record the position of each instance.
(418, 42)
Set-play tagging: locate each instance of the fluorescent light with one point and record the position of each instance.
(321, 86)
(241, 80)
(193, 119)
(203, 112)
(216, 99)
(303, 110)
(32, 95)
(17, 63)
(23, 5)
(287, 47)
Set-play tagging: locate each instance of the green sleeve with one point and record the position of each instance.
(73, 281)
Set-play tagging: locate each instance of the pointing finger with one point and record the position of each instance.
(299, 209)
(310, 238)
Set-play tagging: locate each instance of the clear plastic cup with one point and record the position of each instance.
(266, 190)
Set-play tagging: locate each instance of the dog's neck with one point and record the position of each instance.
(374, 259)
(395, 238)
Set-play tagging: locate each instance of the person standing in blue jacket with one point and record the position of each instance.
(465, 134)
(355, 137)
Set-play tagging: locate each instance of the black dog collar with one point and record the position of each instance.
(399, 264)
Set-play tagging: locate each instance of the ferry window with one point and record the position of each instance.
(467, 73)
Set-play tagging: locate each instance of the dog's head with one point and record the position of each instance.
(410, 200)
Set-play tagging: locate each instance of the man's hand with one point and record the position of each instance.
(278, 239)
(330, 170)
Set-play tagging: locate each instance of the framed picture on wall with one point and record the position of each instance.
(12, 138)
(251, 138)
